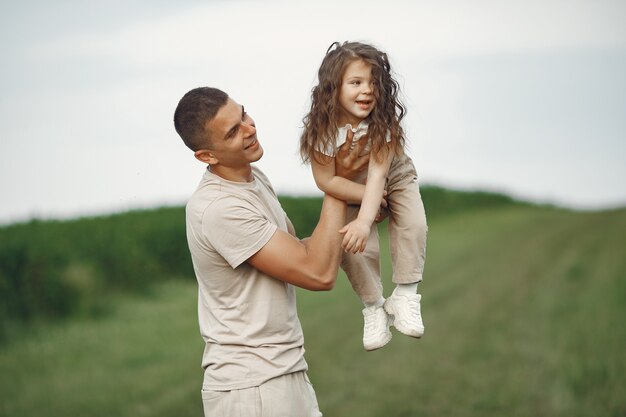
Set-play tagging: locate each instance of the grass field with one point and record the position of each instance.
(523, 308)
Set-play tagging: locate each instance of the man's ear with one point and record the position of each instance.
(206, 156)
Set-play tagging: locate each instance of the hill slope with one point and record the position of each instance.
(523, 310)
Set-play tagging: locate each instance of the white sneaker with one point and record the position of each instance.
(376, 333)
(406, 314)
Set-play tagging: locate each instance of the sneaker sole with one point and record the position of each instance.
(386, 340)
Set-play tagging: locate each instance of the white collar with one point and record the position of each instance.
(358, 131)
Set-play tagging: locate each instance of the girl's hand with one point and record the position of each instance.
(355, 236)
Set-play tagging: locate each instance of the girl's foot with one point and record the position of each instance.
(376, 333)
(406, 313)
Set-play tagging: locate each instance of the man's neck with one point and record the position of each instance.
(242, 174)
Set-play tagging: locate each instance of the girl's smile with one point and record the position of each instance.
(364, 104)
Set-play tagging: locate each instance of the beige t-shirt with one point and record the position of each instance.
(248, 319)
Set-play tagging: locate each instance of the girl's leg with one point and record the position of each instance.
(407, 232)
(407, 241)
(363, 271)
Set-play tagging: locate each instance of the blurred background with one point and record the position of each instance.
(516, 122)
(525, 97)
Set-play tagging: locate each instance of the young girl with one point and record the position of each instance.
(357, 99)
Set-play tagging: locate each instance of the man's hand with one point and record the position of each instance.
(348, 163)
(383, 213)
(383, 210)
(355, 236)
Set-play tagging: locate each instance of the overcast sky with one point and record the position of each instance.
(524, 97)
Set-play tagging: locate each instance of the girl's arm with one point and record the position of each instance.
(338, 187)
(358, 230)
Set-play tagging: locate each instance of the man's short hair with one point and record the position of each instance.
(197, 108)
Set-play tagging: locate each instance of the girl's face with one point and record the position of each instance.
(356, 97)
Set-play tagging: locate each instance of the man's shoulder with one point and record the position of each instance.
(262, 178)
(213, 196)
(211, 200)
(207, 193)
(204, 193)
(259, 174)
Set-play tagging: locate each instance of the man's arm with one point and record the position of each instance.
(311, 264)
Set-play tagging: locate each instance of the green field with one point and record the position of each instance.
(523, 308)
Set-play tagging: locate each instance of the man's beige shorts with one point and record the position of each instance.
(289, 395)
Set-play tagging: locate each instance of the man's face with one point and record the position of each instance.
(233, 136)
(356, 97)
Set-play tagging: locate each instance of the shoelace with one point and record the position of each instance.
(414, 313)
(370, 321)
(413, 307)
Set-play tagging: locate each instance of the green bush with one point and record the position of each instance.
(440, 201)
(51, 269)
(54, 268)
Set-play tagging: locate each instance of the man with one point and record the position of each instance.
(247, 260)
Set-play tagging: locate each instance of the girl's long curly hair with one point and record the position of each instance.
(320, 124)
